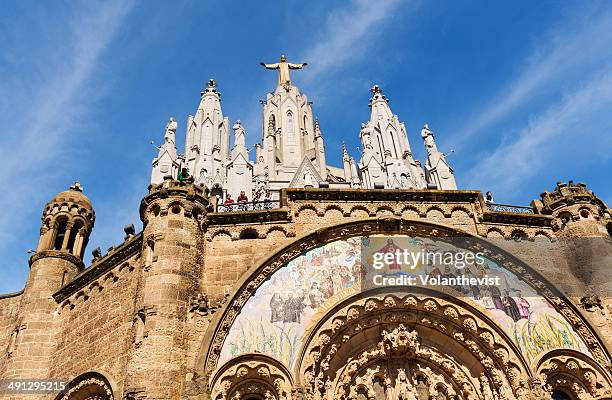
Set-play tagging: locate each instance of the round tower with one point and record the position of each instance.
(582, 223)
(576, 210)
(172, 215)
(66, 224)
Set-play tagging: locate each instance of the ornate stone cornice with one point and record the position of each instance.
(57, 254)
(415, 196)
(521, 219)
(381, 195)
(130, 247)
(248, 217)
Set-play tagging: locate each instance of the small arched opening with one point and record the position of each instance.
(60, 233)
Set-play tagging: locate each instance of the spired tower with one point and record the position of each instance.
(67, 221)
(207, 145)
(387, 160)
(292, 142)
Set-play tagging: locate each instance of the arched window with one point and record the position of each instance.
(289, 124)
(391, 133)
(207, 138)
(380, 147)
(72, 239)
(60, 232)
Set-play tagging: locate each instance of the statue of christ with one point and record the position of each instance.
(283, 68)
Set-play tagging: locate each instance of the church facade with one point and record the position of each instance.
(271, 298)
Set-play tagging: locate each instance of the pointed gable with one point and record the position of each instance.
(305, 168)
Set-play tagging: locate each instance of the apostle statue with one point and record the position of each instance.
(170, 131)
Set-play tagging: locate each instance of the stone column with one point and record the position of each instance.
(171, 214)
(66, 236)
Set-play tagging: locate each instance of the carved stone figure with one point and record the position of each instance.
(283, 68)
(171, 126)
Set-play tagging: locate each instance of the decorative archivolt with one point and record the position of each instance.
(256, 375)
(89, 386)
(328, 366)
(574, 373)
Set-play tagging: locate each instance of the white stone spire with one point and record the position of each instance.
(387, 158)
(437, 170)
(289, 135)
(319, 150)
(346, 163)
(166, 163)
(207, 141)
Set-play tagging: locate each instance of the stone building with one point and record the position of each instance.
(260, 303)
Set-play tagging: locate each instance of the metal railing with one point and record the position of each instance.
(249, 206)
(509, 208)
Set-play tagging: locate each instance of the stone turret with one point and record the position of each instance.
(172, 214)
(577, 211)
(582, 224)
(67, 222)
(289, 136)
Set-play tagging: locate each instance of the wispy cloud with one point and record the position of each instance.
(347, 35)
(50, 96)
(578, 42)
(570, 130)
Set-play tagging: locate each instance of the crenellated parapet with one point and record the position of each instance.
(571, 203)
(172, 196)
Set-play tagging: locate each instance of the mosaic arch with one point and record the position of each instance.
(279, 306)
(285, 307)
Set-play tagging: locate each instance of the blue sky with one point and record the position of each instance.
(522, 91)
